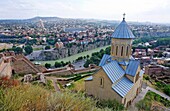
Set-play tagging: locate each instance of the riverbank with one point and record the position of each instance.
(73, 57)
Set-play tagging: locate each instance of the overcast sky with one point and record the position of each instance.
(136, 10)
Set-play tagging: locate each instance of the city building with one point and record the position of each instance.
(58, 45)
(120, 75)
(5, 46)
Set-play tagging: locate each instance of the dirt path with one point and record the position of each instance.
(57, 89)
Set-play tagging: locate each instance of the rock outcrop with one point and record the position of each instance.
(65, 52)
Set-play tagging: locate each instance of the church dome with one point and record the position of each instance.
(123, 31)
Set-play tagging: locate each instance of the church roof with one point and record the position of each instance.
(132, 67)
(105, 58)
(123, 86)
(114, 71)
(123, 31)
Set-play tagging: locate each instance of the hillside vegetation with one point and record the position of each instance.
(153, 102)
(28, 97)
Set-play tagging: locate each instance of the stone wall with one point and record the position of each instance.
(92, 87)
(5, 68)
(60, 73)
(17, 64)
(22, 65)
(105, 92)
(136, 88)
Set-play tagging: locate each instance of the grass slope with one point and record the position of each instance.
(153, 102)
(35, 98)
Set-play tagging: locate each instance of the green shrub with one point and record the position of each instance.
(144, 105)
(111, 104)
(167, 90)
(160, 85)
(70, 101)
(47, 65)
(49, 84)
(147, 78)
(151, 97)
(15, 76)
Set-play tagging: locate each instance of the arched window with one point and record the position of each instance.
(127, 50)
(116, 50)
(122, 51)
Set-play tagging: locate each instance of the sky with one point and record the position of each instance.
(157, 11)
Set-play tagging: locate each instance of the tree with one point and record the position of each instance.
(31, 42)
(95, 60)
(167, 90)
(84, 57)
(47, 65)
(62, 63)
(86, 65)
(107, 50)
(79, 58)
(51, 41)
(28, 49)
(58, 64)
(47, 47)
(88, 56)
(18, 50)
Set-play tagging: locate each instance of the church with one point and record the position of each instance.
(120, 76)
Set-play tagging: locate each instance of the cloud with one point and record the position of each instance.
(141, 10)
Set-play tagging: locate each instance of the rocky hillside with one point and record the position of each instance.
(65, 52)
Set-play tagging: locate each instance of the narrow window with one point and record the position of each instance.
(125, 101)
(127, 51)
(101, 82)
(137, 77)
(122, 51)
(112, 49)
(116, 50)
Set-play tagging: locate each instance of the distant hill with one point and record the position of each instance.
(51, 19)
(35, 19)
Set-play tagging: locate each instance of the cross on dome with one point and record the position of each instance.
(124, 16)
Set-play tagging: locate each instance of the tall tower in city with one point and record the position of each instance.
(41, 24)
(121, 44)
